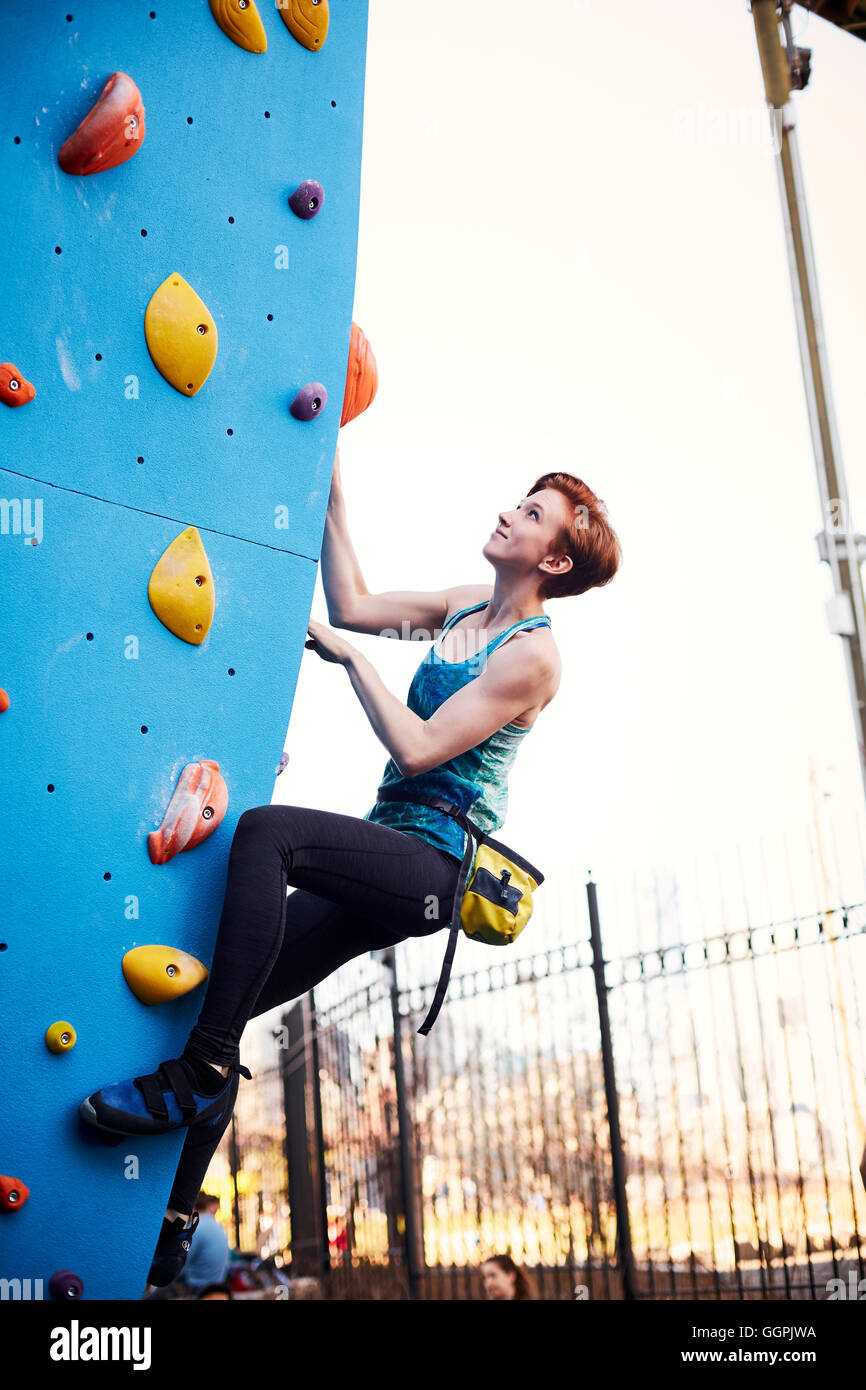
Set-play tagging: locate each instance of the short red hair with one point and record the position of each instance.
(589, 539)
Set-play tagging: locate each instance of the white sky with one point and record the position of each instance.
(569, 255)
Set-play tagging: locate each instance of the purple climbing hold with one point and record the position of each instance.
(307, 199)
(284, 762)
(65, 1285)
(310, 401)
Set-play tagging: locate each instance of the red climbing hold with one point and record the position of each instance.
(13, 1194)
(111, 132)
(362, 377)
(4, 702)
(197, 807)
(15, 389)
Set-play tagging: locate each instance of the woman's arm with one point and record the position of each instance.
(342, 579)
(509, 683)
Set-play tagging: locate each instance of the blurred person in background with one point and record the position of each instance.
(208, 1261)
(503, 1279)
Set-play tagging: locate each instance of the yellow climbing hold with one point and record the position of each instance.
(181, 335)
(240, 20)
(181, 588)
(60, 1037)
(157, 973)
(306, 20)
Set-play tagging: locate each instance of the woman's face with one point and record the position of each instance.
(527, 533)
(497, 1283)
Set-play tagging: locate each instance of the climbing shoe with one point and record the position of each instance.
(172, 1097)
(171, 1250)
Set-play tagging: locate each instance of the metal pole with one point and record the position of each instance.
(304, 1147)
(838, 544)
(411, 1230)
(325, 1248)
(234, 1164)
(617, 1153)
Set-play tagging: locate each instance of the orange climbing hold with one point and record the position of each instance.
(15, 389)
(156, 974)
(241, 21)
(197, 807)
(180, 589)
(13, 1194)
(111, 132)
(4, 701)
(306, 20)
(362, 377)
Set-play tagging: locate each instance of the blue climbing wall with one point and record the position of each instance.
(104, 469)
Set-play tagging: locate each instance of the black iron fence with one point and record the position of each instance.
(684, 1121)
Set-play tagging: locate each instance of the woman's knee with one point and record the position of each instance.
(254, 820)
(256, 835)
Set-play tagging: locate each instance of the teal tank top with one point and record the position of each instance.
(476, 780)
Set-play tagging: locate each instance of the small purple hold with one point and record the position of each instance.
(310, 401)
(65, 1286)
(284, 762)
(307, 199)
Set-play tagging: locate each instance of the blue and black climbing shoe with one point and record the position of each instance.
(171, 1250)
(180, 1092)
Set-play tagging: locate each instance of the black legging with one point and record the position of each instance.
(359, 886)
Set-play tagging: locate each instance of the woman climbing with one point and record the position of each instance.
(361, 884)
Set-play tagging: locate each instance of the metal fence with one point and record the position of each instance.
(720, 1161)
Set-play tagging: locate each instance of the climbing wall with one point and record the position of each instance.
(130, 442)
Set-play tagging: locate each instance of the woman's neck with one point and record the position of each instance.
(505, 607)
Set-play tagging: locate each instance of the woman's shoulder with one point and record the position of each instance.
(539, 643)
(463, 596)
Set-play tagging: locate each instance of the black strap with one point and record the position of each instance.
(169, 1075)
(473, 833)
(439, 803)
(152, 1092)
(453, 932)
(178, 1079)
